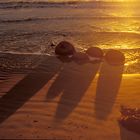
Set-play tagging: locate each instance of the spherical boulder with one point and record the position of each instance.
(64, 48)
(95, 52)
(115, 57)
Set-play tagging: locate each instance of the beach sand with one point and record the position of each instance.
(67, 101)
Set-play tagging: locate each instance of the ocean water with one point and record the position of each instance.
(28, 28)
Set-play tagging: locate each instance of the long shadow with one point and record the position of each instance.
(29, 86)
(108, 85)
(71, 84)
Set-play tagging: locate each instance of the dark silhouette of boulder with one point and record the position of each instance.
(64, 48)
(115, 57)
(95, 52)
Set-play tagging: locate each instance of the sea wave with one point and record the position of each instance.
(22, 4)
(64, 18)
(71, 4)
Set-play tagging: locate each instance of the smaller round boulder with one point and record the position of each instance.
(115, 57)
(64, 48)
(95, 52)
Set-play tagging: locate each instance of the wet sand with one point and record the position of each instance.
(67, 101)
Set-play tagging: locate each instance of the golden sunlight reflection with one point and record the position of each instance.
(132, 58)
(131, 62)
(129, 26)
(128, 14)
(125, 9)
(119, 45)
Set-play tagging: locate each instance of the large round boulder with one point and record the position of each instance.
(115, 57)
(95, 52)
(64, 48)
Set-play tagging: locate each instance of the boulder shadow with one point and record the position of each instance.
(28, 87)
(108, 85)
(71, 85)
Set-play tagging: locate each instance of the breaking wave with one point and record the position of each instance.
(62, 18)
(71, 4)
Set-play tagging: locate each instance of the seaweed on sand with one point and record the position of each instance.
(130, 119)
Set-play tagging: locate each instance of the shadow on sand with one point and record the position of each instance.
(28, 87)
(108, 85)
(71, 84)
